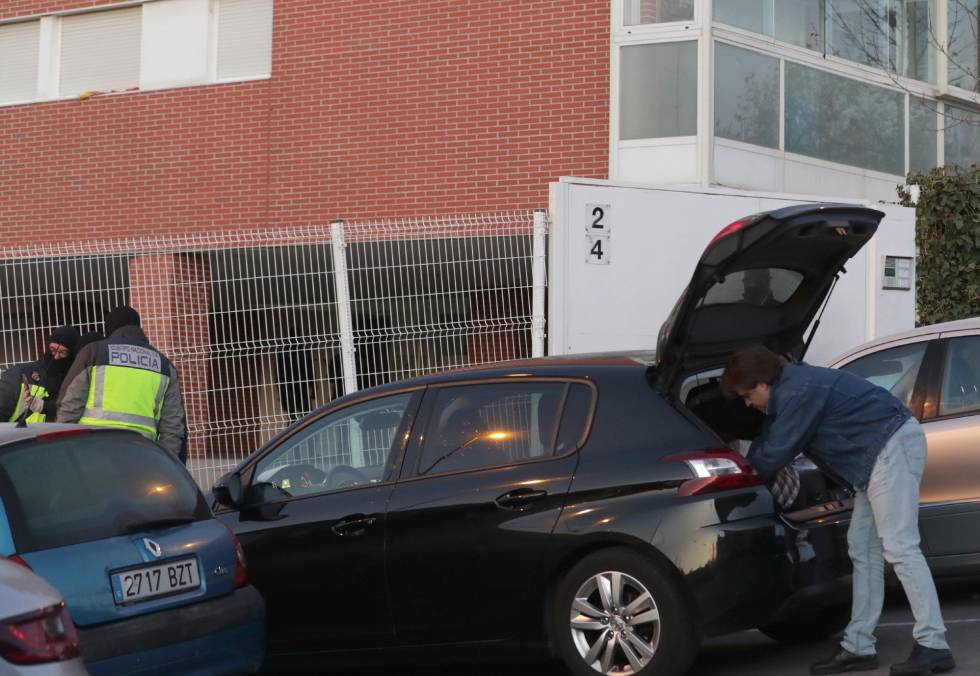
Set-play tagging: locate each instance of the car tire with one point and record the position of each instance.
(651, 618)
(810, 627)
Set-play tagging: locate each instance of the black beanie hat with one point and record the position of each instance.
(90, 337)
(64, 335)
(120, 317)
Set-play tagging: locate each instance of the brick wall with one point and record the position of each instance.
(374, 109)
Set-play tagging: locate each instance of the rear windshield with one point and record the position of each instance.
(763, 287)
(92, 486)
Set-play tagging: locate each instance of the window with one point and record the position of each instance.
(657, 11)
(746, 96)
(962, 136)
(922, 134)
(92, 486)
(961, 377)
(798, 22)
(658, 90)
(575, 418)
(842, 120)
(477, 426)
(963, 18)
(763, 287)
(19, 45)
(244, 38)
(895, 369)
(100, 51)
(346, 448)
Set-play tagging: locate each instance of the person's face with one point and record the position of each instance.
(757, 397)
(58, 351)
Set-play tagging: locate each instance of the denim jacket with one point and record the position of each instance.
(840, 420)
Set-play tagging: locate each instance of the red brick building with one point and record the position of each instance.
(372, 109)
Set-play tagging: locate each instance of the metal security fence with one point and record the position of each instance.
(266, 325)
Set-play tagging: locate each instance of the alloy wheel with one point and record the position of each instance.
(615, 623)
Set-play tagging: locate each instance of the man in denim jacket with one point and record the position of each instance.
(863, 437)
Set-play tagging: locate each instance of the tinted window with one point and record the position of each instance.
(961, 377)
(477, 426)
(764, 287)
(746, 96)
(575, 417)
(895, 369)
(346, 448)
(658, 90)
(92, 486)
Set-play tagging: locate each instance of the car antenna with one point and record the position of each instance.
(816, 323)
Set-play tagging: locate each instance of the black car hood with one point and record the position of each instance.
(762, 279)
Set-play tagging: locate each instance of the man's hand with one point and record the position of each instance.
(36, 404)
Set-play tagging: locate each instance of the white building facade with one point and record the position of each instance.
(823, 97)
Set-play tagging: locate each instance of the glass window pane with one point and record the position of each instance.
(799, 22)
(964, 28)
(917, 39)
(657, 11)
(658, 90)
(19, 45)
(923, 129)
(346, 448)
(895, 369)
(752, 15)
(763, 287)
(961, 377)
(858, 30)
(962, 136)
(479, 426)
(94, 486)
(746, 96)
(842, 120)
(100, 51)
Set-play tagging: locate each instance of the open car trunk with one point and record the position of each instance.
(820, 497)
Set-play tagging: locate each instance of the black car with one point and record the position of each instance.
(593, 505)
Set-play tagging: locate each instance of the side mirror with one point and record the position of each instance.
(228, 490)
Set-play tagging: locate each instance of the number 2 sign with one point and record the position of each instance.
(597, 229)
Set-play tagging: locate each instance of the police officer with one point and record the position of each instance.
(30, 390)
(123, 381)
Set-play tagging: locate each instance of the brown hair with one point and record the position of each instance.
(748, 367)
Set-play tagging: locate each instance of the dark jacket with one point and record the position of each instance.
(37, 373)
(172, 427)
(840, 420)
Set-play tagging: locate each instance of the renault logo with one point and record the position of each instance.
(153, 547)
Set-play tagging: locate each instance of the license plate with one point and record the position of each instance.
(140, 584)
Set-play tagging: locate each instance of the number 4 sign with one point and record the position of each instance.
(597, 228)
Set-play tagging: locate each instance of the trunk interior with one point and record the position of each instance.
(820, 496)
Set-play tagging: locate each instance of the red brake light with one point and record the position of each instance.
(46, 636)
(715, 469)
(730, 229)
(19, 561)
(241, 573)
(61, 433)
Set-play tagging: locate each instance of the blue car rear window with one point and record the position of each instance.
(88, 487)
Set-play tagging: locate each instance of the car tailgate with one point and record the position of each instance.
(83, 572)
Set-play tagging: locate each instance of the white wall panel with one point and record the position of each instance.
(739, 167)
(660, 163)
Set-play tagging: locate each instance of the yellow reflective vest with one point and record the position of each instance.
(36, 391)
(127, 386)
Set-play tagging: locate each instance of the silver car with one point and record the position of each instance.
(935, 370)
(37, 637)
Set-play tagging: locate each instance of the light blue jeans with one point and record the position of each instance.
(885, 527)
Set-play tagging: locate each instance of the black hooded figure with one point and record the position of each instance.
(47, 373)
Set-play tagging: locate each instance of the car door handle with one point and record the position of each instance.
(519, 498)
(353, 525)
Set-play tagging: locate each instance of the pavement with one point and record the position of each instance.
(750, 653)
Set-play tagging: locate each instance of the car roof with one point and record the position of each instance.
(11, 432)
(969, 324)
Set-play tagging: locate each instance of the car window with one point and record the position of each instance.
(92, 486)
(346, 448)
(476, 426)
(764, 287)
(894, 369)
(961, 376)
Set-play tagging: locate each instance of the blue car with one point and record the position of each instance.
(154, 583)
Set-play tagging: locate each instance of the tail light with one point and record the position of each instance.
(715, 469)
(241, 574)
(732, 228)
(19, 561)
(46, 636)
